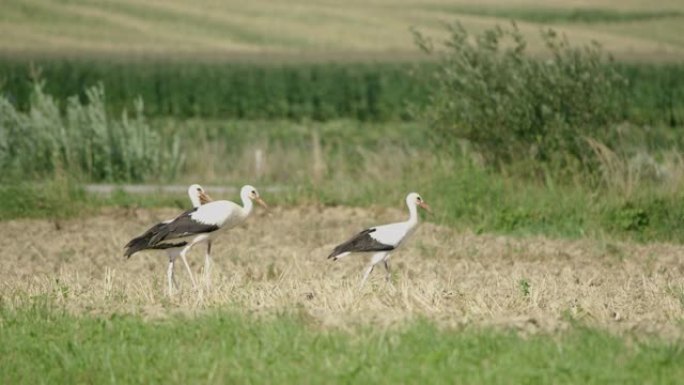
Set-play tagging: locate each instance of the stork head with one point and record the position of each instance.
(249, 192)
(414, 199)
(197, 195)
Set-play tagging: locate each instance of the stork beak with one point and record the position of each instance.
(425, 206)
(261, 202)
(204, 198)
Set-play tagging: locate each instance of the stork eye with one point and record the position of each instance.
(254, 192)
(199, 189)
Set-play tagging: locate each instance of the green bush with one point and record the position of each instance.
(648, 217)
(82, 141)
(511, 106)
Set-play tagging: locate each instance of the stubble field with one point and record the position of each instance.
(277, 264)
(318, 30)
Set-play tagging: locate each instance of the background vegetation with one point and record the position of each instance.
(374, 91)
(81, 139)
(498, 140)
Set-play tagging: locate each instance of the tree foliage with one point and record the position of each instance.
(510, 105)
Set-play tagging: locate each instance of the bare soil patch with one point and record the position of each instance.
(277, 262)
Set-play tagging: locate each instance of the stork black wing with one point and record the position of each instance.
(359, 243)
(141, 242)
(181, 227)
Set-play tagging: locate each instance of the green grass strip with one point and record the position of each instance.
(39, 345)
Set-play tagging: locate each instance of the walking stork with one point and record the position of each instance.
(382, 240)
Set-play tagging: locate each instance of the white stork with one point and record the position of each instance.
(197, 225)
(382, 240)
(197, 197)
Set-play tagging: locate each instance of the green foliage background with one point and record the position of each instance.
(376, 91)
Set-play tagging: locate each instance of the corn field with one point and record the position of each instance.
(382, 91)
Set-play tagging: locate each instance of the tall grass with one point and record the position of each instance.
(83, 141)
(361, 164)
(655, 94)
(637, 193)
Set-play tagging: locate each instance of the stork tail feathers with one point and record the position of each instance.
(135, 245)
(337, 254)
(334, 254)
(142, 242)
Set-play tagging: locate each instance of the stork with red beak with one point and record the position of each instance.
(382, 240)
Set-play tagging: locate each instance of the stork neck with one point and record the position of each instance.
(413, 214)
(194, 198)
(247, 205)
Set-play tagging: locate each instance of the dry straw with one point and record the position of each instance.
(277, 263)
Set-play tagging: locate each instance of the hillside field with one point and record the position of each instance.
(284, 30)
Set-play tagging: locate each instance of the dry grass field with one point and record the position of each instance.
(377, 28)
(277, 263)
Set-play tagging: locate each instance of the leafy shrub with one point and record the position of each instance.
(511, 106)
(648, 217)
(630, 218)
(83, 141)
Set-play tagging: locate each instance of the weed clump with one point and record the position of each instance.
(82, 140)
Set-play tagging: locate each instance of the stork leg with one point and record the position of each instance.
(207, 265)
(169, 275)
(377, 258)
(187, 266)
(388, 276)
(172, 254)
(369, 269)
(173, 277)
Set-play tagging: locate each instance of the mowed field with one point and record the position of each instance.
(276, 264)
(359, 30)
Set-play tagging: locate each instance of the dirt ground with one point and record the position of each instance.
(277, 263)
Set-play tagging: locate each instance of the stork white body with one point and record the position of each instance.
(382, 240)
(199, 225)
